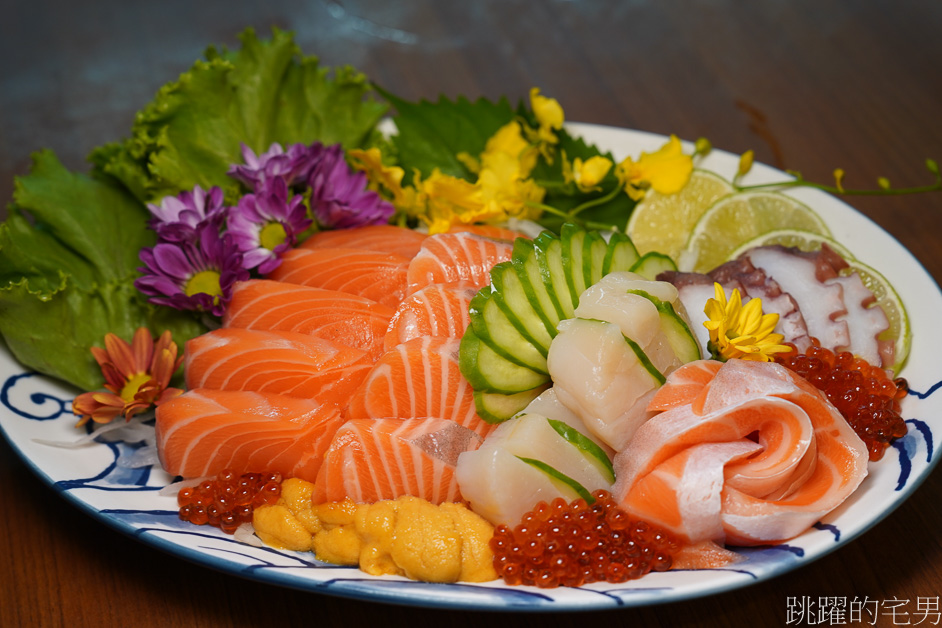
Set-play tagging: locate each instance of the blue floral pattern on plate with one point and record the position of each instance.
(34, 408)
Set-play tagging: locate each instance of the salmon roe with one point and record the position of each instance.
(864, 394)
(571, 544)
(228, 500)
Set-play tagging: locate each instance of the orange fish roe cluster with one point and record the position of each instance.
(228, 500)
(863, 393)
(571, 544)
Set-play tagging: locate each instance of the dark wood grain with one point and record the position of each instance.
(809, 86)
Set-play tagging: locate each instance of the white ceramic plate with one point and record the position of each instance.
(33, 407)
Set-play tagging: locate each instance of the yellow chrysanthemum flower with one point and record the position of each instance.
(666, 170)
(740, 331)
(509, 141)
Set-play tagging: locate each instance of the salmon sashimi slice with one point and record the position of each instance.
(763, 458)
(686, 385)
(203, 431)
(382, 238)
(418, 378)
(380, 277)
(489, 231)
(281, 362)
(461, 256)
(374, 459)
(439, 310)
(337, 316)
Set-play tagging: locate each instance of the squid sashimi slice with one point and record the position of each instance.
(438, 310)
(204, 431)
(418, 378)
(382, 238)
(461, 256)
(374, 459)
(616, 299)
(501, 486)
(810, 459)
(380, 277)
(337, 316)
(281, 362)
(599, 376)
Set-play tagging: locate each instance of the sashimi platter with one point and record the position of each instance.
(462, 353)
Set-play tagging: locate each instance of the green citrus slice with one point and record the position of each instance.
(662, 222)
(738, 218)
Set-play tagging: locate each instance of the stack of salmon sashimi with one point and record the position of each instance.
(340, 368)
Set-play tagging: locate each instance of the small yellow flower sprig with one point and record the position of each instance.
(740, 331)
(884, 188)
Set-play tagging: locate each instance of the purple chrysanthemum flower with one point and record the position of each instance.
(293, 165)
(177, 218)
(266, 224)
(339, 196)
(192, 275)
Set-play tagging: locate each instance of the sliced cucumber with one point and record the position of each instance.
(498, 407)
(550, 256)
(573, 239)
(586, 445)
(527, 264)
(676, 330)
(492, 327)
(620, 254)
(560, 478)
(487, 370)
(650, 265)
(520, 310)
(594, 250)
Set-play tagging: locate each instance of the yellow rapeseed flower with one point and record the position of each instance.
(665, 171)
(740, 331)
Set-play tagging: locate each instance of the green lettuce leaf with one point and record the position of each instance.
(192, 132)
(68, 259)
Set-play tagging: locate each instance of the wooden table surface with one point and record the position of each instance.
(809, 86)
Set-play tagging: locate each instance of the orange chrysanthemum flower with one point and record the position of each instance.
(137, 376)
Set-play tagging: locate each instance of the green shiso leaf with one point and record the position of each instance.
(68, 259)
(265, 92)
(431, 135)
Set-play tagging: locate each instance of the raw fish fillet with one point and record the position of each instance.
(418, 378)
(461, 256)
(376, 276)
(755, 457)
(204, 431)
(374, 459)
(337, 316)
(439, 310)
(281, 362)
(381, 238)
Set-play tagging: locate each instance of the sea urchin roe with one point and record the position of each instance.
(228, 500)
(571, 544)
(407, 536)
(864, 394)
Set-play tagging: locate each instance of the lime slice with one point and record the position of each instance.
(738, 218)
(899, 331)
(804, 240)
(662, 222)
